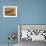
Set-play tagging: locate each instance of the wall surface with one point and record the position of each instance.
(7, 25)
(28, 12)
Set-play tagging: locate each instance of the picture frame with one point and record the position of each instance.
(39, 28)
(9, 11)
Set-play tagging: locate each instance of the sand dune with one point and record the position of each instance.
(10, 11)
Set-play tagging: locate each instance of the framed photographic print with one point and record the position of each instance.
(33, 32)
(9, 11)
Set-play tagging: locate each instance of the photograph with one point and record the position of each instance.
(9, 11)
(29, 33)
